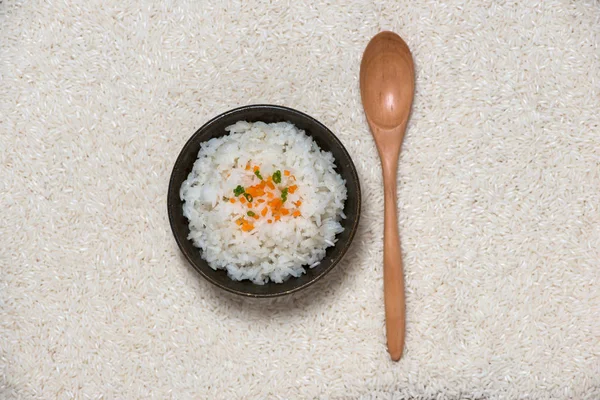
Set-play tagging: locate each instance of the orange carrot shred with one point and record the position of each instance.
(248, 167)
(247, 227)
(296, 213)
(270, 221)
(261, 200)
(255, 216)
(270, 195)
(232, 200)
(286, 173)
(292, 188)
(256, 168)
(249, 204)
(275, 203)
(285, 211)
(264, 211)
(277, 218)
(255, 191)
(270, 185)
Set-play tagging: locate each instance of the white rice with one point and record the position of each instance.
(282, 248)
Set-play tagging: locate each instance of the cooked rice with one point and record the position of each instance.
(270, 251)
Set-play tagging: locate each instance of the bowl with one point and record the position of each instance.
(267, 113)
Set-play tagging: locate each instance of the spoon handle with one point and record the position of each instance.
(393, 276)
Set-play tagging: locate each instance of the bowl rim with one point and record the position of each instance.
(192, 140)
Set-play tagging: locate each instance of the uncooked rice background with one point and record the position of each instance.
(498, 187)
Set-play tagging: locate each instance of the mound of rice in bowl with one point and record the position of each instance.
(263, 202)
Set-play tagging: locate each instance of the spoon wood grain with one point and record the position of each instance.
(387, 85)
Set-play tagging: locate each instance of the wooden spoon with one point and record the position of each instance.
(387, 86)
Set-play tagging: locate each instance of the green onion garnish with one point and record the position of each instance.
(257, 173)
(248, 197)
(277, 176)
(284, 194)
(238, 190)
(251, 213)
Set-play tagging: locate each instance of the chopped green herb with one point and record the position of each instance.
(277, 176)
(248, 197)
(284, 194)
(251, 213)
(257, 173)
(238, 190)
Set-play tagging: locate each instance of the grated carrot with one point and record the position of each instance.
(255, 191)
(272, 195)
(275, 203)
(247, 227)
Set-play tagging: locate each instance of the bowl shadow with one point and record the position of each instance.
(319, 293)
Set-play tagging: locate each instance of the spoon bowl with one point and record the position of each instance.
(387, 86)
(387, 80)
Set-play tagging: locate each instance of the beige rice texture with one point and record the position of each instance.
(498, 192)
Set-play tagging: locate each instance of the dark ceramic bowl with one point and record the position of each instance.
(266, 113)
